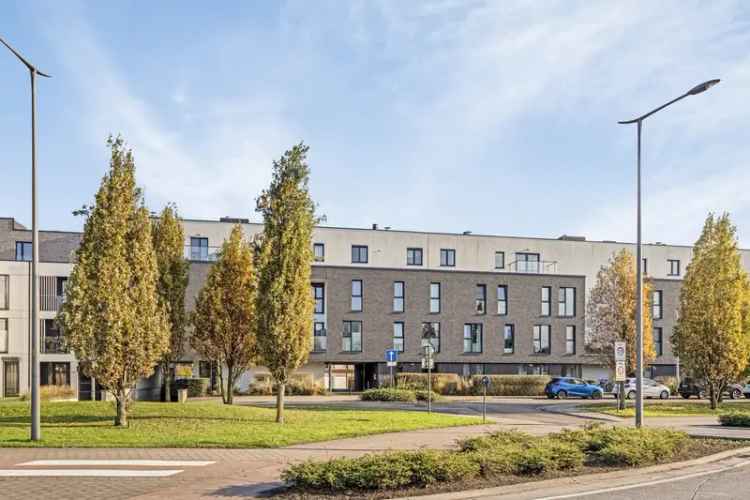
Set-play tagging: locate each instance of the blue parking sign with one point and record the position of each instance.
(391, 355)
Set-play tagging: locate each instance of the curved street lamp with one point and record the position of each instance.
(35, 425)
(698, 89)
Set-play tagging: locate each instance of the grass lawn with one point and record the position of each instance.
(670, 409)
(203, 424)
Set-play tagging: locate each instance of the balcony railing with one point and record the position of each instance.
(201, 254)
(52, 302)
(534, 267)
(54, 344)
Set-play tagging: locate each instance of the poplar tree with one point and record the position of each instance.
(112, 316)
(224, 322)
(712, 333)
(169, 241)
(611, 313)
(285, 304)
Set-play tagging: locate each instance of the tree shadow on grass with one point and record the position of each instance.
(56, 419)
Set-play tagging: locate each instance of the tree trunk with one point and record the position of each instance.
(121, 418)
(230, 385)
(221, 384)
(621, 395)
(714, 394)
(280, 392)
(167, 383)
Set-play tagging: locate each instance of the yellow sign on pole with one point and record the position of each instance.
(620, 371)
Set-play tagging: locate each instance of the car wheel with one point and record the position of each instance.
(562, 395)
(596, 395)
(702, 395)
(631, 395)
(747, 395)
(550, 396)
(735, 394)
(664, 395)
(685, 395)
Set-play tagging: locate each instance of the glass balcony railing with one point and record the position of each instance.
(534, 266)
(201, 253)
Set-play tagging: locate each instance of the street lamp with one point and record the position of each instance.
(698, 89)
(35, 426)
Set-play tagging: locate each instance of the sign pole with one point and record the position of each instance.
(484, 404)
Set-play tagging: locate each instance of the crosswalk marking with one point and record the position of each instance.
(86, 473)
(117, 463)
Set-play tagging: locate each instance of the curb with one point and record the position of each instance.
(531, 486)
(586, 416)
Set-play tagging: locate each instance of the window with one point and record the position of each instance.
(480, 299)
(352, 336)
(356, 295)
(499, 260)
(359, 254)
(23, 250)
(570, 339)
(541, 339)
(434, 297)
(656, 306)
(4, 291)
(319, 252)
(3, 335)
(320, 340)
(198, 248)
(658, 341)
(527, 262)
(473, 337)
(645, 266)
(398, 296)
(566, 301)
(398, 336)
(673, 267)
(431, 334)
(53, 340)
(319, 295)
(54, 373)
(508, 339)
(502, 300)
(546, 294)
(413, 256)
(447, 257)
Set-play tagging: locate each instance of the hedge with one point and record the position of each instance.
(196, 387)
(300, 384)
(735, 419)
(388, 394)
(442, 383)
(510, 385)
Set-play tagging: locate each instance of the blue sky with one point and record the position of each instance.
(495, 117)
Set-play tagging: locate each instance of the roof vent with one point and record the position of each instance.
(568, 237)
(374, 227)
(467, 233)
(235, 220)
(387, 228)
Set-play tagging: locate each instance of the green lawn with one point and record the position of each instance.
(203, 424)
(670, 409)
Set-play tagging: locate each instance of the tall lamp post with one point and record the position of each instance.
(639, 259)
(35, 422)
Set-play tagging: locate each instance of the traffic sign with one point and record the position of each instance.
(620, 348)
(485, 381)
(390, 363)
(620, 371)
(391, 356)
(428, 364)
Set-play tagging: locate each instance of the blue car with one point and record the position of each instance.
(564, 387)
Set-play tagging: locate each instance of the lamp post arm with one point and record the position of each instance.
(643, 117)
(26, 63)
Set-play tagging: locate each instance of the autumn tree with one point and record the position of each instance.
(169, 240)
(712, 335)
(112, 316)
(224, 323)
(285, 304)
(611, 313)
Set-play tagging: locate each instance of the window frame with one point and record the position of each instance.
(5, 292)
(22, 246)
(450, 257)
(509, 327)
(570, 341)
(401, 297)
(322, 247)
(359, 249)
(316, 336)
(350, 324)
(657, 305)
(526, 261)
(412, 253)
(500, 254)
(402, 327)
(537, 332)
(472, 338)
(436, 327)
(6, 322)
(562, 302)
(355, 296)
(658, 346)
(547, 302)
(315, 287)
(480, 299)
(670, 267)
(439, 297)
(504, 301)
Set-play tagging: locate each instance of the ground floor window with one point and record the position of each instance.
(532, 369)
(54, 373)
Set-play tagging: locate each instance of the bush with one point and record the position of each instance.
(421, 395)
(495, 440)
(735, 419)
(388, 394)
(670, 382)
(52, 393)
(442, 383)
(300, 384)
(196, 387)
(510, 385)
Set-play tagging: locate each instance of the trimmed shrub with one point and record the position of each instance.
(52, 393)
(510, 385)
(421, 395)
(442, 383)
(300, 384)
(388, 394)
(496, 440)
(620, 446)
(196, 387)
(735, 419)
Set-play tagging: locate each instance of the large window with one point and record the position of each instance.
(570, 339)
(319, 252)
(546, 298)
(23, 250)
(502, 300)
(398, 336)
(359, 254)
(53, 340)
(499, 260)
(527, 262)
(352, 336)
(434, 297)
(413, 256)
(54, 373)
(319, 295)
(658, 341)
(480, 299)
(473, 337)
(509, 339)
(673, 267)
(320, 339)
(399, 292)
(447, 257)
(356, 295)
(566, 301)
(656, 305)
(4, 291)
(432, 329)
(541, 339)
(198, 248)
(3, 335)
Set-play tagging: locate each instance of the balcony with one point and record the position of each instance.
(52, 302)
(54, 344)
(201, 253)
(534, 266)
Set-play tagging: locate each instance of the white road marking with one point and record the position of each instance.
(116, 463)
(646, 483)
(86, 473)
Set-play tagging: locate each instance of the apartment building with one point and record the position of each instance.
(497, 304)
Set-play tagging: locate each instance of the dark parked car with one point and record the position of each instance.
(564, 387)
(693, 387)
